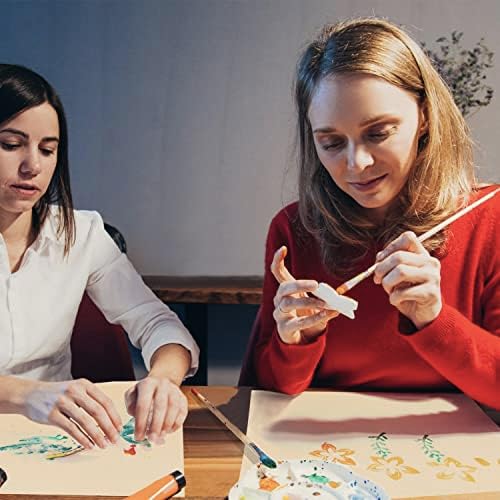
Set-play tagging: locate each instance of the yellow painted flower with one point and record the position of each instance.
(329, 452)
(482, 461)
(451, 468)
(393, 466)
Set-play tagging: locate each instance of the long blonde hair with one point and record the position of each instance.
(442, 176)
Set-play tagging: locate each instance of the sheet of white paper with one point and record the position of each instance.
(96, 472)
(410, 444)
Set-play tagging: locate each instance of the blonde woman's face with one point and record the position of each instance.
(366, 134)
(28, 157)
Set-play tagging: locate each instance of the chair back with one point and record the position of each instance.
(99, 349)
(248, 376)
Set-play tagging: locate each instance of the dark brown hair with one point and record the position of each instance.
(21, 89)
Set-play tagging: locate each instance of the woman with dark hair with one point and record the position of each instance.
(384, 155)
(50, 254)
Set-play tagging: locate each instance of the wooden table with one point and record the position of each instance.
(197, 292)
(212, 455)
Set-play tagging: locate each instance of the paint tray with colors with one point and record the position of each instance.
(305, 479)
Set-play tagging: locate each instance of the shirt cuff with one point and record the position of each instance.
(172, 336)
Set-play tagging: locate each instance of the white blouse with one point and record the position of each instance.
(39, 302)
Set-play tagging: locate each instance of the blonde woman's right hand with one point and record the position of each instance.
(299, 317)
(78, 407)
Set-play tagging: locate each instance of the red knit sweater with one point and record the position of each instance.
(459, 349)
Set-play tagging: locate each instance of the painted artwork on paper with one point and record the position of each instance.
(385, 461)
(330, 453)
(127, 433)
(49, 447)
(426, 444)
(394, 466)
(60, 445)
(59, 465)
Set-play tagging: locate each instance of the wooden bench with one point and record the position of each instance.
(197, 292)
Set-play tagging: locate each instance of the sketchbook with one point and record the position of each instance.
(409, 444)
(33, 456)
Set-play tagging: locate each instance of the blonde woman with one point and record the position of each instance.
(384, 154)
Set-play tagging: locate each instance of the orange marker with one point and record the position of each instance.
(162, 488)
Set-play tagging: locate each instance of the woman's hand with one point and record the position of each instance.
(77, 406)
(158, 406)
(299, 318)
(411, 277)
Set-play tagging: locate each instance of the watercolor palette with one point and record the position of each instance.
(304, 479)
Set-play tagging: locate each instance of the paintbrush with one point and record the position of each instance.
(348, 285)
(263, 457)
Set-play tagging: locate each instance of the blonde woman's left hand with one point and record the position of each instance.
(412, 278)
(158, 406)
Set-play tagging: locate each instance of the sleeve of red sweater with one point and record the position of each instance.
(279, 366)
(467, 354)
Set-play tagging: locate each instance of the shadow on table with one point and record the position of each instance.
(234, 409)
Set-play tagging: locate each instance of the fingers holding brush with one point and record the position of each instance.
(412, 279)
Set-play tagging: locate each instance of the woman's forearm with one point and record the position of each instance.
(171, 361)
(13, 391)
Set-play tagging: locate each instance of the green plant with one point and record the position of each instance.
(463, 70)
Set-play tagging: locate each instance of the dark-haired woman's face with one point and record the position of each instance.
(366, 135)
(28, 157)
